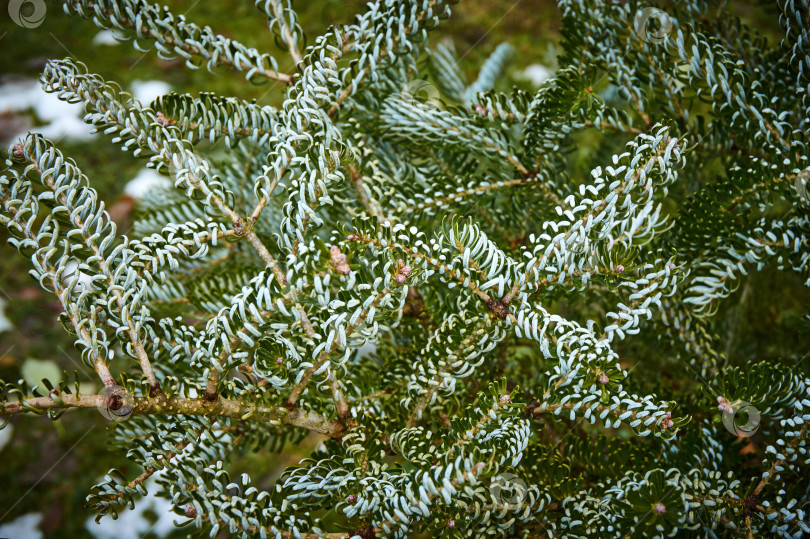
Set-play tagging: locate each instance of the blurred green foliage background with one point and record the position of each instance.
(48, 467)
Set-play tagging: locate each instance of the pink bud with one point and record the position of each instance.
(190, 511)
(352, 498)
(339, 260)
(506, 399)
(336, 255)
(660, 508)
(451, 523)
(279, 361)
(603, 378)
(619, 268)
(403, 272)
(162, 120)
(724, 406)
(480, 109)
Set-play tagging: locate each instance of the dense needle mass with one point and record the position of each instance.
(413, 266)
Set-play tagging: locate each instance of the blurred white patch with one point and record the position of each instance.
(34, 370)
(71, 267)
(105, 37)
(18, 95)
(148, 91)
(5, 323)
(24, 527)
(62, 120)
(536, 74)
(131, 523)
(5, 436)
(144, 181)
(366, 350)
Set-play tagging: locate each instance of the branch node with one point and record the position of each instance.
(530, 408)
(499, 308)
(366, 532)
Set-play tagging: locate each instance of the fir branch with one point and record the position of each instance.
(160, 405)
(175, 36)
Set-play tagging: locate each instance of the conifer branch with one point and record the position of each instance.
(161, 405)
(150, 21)
(434, 242)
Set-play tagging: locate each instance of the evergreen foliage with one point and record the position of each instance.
(414, 265)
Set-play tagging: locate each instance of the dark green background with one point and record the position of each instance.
(78, 441)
